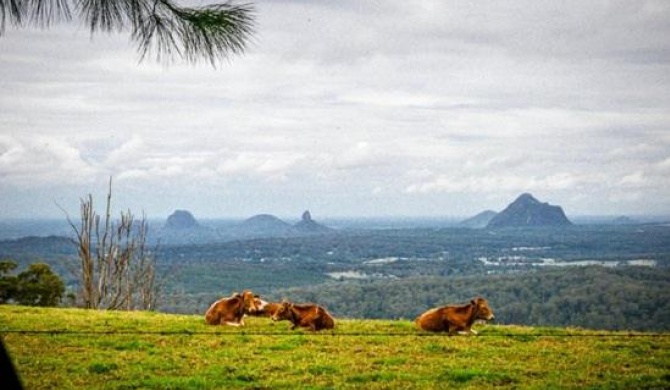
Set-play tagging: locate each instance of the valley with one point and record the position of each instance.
(601, 276)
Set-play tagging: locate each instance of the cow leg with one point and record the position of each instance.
(231, 323)
(449, 327)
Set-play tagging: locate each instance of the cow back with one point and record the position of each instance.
(224, 310)
(305, 315)
(433, 320)
(455, 318)
(267, 309)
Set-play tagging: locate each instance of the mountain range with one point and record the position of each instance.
(181, 226)
(524, 211)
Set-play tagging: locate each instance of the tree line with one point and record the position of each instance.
(37, 285)
(628, 298)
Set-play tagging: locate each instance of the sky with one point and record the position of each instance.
(349, 108)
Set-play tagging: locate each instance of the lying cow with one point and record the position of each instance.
(306, 315)
(455, 319)
(266, 309)
(231, 310)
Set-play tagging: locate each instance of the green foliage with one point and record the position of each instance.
(36, 286)
(8, 283)
(431, 267)
(39, 286)
(210, 32)
(74, 348)
(590, 297)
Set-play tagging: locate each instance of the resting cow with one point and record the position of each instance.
(455, 319)
(266, 309)
(231, 310)
(306, 315)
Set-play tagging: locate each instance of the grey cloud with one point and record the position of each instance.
(355, 104)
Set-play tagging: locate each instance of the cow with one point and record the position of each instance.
(455, 319)
(231, 310)
(266, 309)
(306, 315)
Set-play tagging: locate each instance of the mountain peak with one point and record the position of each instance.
(261, 225)
(528, 211)
(308, 225)
(181, 219)
(527, 198)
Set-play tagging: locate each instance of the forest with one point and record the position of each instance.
(530, 276)
(595, 297)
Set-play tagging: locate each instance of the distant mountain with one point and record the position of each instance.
(478, 221)
(309, 226)
(181, 219)
(528, 211)
(265, 225)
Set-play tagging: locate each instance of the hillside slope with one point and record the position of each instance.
(74, 348)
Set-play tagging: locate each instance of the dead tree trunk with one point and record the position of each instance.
(117, 271)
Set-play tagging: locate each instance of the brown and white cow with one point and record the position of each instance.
(455, 319)
(231, 310)
(266, 309)
(306, 315)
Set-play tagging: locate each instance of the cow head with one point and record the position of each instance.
(252, 302)
(283, 312)
(484, 312)
(261, 304)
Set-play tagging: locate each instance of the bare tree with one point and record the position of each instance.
(116, 270)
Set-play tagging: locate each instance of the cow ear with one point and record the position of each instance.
(473, 302)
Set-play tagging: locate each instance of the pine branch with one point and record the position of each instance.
(38, 12)
(211, 32)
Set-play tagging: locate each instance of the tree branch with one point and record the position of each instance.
(212, 32)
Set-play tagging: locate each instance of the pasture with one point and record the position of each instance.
(75, 349)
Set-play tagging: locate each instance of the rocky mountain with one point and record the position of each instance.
(528, 211)
(478, 221)
(181, 219)
(309, 226)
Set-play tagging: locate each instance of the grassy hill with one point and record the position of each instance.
(73, 348)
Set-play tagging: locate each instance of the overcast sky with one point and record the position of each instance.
(350, 108)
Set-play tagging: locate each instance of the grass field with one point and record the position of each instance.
(78, 349)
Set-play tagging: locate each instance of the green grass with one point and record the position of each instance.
(75, 349)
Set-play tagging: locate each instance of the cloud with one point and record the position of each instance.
(255, 165)
(497, 183)
(31, 161)
(359, 156)
(354, 102)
